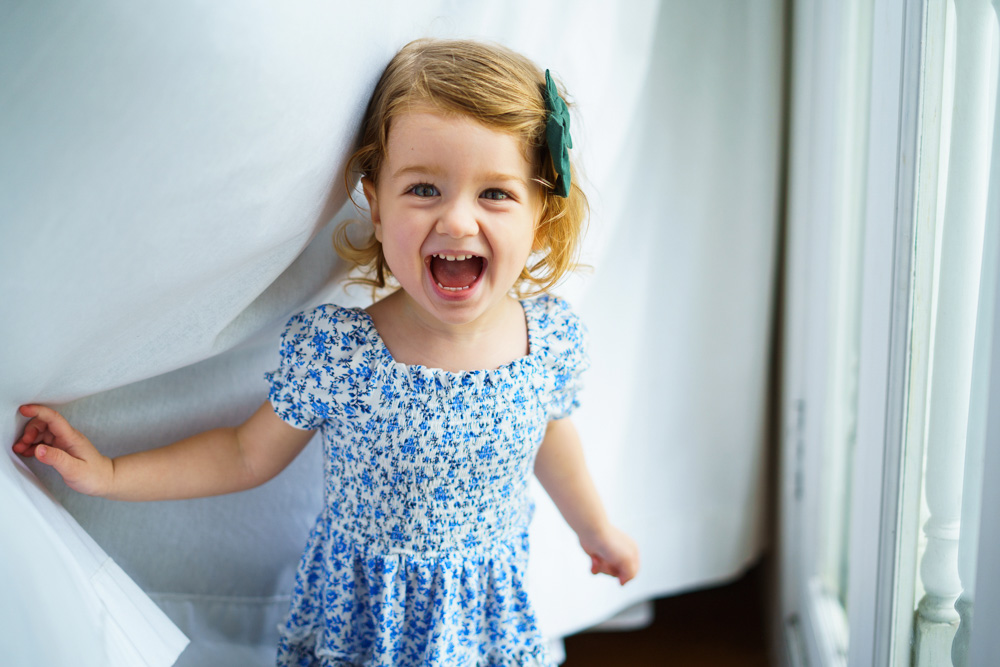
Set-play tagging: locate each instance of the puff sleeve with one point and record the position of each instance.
(315, 377)
(565, 356)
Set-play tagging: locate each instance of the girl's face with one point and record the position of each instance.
(455, 209)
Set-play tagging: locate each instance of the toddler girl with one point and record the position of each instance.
(437, 402)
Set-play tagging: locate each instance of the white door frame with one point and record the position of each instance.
(885, 329)
(811, 632)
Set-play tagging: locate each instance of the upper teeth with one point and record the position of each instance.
(452, 258)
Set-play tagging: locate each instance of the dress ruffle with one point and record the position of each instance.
(354, 605)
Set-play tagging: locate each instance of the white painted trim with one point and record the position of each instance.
(813, 620)
(817, 64)
(935, 115)
(845, 269)
(984, 644)
(947, 565)
(797, 288)
(885, 319)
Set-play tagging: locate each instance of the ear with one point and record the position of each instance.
(370, 194)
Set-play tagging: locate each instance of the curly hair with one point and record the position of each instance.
(500, 89)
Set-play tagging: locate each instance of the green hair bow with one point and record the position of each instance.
(557, 135)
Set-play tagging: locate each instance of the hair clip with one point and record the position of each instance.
(557, 135)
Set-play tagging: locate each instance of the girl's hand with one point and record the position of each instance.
(49, 438)
(612, 552)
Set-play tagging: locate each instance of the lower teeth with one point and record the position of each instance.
(453, 289)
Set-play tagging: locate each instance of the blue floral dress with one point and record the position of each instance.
(420, 552)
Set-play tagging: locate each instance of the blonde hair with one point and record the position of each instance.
(500, 89)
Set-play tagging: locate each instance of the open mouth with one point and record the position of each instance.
(455, 273)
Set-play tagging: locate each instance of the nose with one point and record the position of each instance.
(457, 220)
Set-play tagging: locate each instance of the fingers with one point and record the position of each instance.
(36, 432)
(50, 439)
(623, 573)
(45, 419)
(626, 572)
(48, 427)
(619, 558)
(35, 441)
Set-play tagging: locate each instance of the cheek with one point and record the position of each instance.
(401, 243)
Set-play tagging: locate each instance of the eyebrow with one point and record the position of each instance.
(433, 171)
(415, 169)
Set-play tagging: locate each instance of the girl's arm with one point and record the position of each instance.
(219, 461)
(561, 469)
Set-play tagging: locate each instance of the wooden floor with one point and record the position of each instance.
(717, 627)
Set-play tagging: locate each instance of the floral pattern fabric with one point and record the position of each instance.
(420, 552)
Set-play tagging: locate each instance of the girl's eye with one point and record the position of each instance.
(424, 190)
(495, 194)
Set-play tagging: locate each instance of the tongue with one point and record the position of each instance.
(459, 273)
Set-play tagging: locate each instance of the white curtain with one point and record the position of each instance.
(169, 182)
